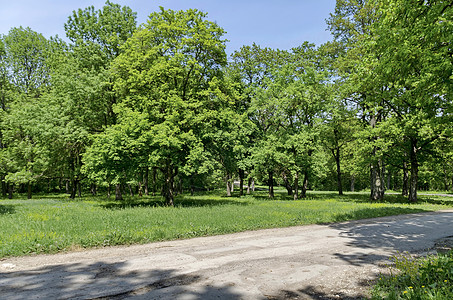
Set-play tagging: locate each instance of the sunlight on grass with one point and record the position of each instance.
(52, 224)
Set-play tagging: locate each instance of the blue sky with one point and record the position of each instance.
(279, 24)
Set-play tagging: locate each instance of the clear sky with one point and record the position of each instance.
(279, 24)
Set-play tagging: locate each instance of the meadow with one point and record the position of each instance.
(54, 223)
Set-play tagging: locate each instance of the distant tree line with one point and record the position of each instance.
(160, 108)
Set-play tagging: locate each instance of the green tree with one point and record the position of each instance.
(170, 70)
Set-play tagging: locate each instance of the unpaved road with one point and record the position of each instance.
(335, 261)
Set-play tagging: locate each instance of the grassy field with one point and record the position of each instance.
(52, 223)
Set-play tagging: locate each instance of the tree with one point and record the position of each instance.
(169, 70)
(413, 41)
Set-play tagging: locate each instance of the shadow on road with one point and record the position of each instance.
(103, 280)
(410, 233)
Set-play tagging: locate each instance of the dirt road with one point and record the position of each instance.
(335, 261)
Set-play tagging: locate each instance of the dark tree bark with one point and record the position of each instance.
(377, 181)
(10, 191)
(303, 192)
(405, 189)
(29, 190)
(336, 155)
(169, 184)
(154, 181)
(414, 172)
(352, 183)
(270, 182)
(249, 185)
(241, 182)
(296, 186)
(288, 186)
(118, 192)
(146, 181)
(4, 186)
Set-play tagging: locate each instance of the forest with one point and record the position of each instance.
(159, 108)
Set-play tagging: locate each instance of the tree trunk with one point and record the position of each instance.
(29, 190)
(377, 181)
(4, 186)
(108, 190)
(303, 193)
(154, 181)
(228, 185)
(405, 189)
(10, 191)
(146, 181)
(169, 185)
(352, 183)
(336, 155)
(131, 192)
(79, 188)
(241, 182)
(414, 172)
(118, 192)
(271, 184)
(73, 189)
(252, 187)
(93, 189)
(296, 186)
(288, 186)
(249, 184)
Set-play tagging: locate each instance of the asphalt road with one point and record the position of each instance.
(336, 261)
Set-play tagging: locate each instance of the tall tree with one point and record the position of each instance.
(170, 71)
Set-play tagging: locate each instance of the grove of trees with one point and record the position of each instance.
(159, 108)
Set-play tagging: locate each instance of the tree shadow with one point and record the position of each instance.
(326, 293)
(413, 233)
(182, 201)
(102, 280)
(375, 212)
(7, 209)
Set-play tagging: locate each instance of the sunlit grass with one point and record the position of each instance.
(54, 223)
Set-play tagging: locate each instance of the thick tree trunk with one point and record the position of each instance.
(29, 190)
(405, 189)
(271, 184)
(241, 182)
(118, 192)
(79, 189)
(352, 183)
(131, 192)
(228, 185)
(296, 186)
(303, 193)
(146, 181)
(414, 172)
(73, 189)
(154, 181)
(377, 181)
(169, 185)
(4, 186)
(93, 189)
(336, 155)
(249, 185)
(288, 186)
(10, 191)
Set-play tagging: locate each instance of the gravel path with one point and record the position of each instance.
(336, 261)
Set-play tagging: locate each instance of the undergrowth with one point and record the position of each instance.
(423, 278)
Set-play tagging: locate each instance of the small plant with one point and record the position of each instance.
(424, 278)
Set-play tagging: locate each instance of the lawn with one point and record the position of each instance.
(53, 223)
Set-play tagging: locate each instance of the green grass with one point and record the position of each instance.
(423, 278)
(53, 223)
